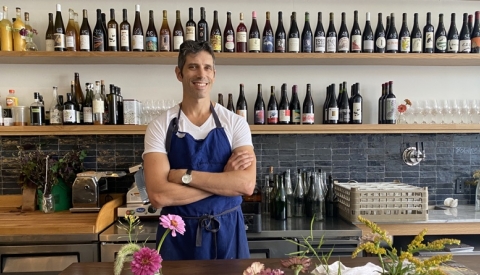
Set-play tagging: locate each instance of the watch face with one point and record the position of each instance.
(186, 178)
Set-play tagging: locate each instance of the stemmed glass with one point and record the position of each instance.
(446, 112)
(464, 111)
(435, 111)
(475, 111)
(426, 111)
(456, 115)
(148, 109)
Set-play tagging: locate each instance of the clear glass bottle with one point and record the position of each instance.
(56, 117)
(106, 115)
(289, 194)
(280, 199)
(98, 105)
(6, 37)
(88, 105)
(315, 201)
(299, 197)
(48, 203)
(37, 111)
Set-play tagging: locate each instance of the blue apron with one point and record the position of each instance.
(215, 228)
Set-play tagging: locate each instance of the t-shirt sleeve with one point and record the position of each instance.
(241, 133)
(155, 137)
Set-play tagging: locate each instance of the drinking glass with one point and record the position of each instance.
(435, 111)
(475, 111)
(446, 112)
(148, 109)
(456, 115)
(410, 114)
(426, 111)
(417, 114)
(48, 203)
(464, 111)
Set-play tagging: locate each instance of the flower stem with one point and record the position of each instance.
(163, 238)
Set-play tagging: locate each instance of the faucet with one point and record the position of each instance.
(414, 155)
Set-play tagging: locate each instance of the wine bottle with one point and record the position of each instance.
(98, 105)
(49, 41)
(220, 99)
(98, 34)
(112, 99)
(88, 105)
(319, 41)
(440, 36)
(452, 38)
(18, 40)
(308, 113)
(178, 33)
(72, 38)
(387, 27)
(230, 106)
(357, 106)
(242, 109)
(267, 36)
(344, 107)
(37, 111)
(380, 36)
(165, 35)
(356, 35)
(85, 35)
(272, 109)
(465, 43)
(120, 112)
(470, 23)
(392, 36)
(137, 32)
(332, 107)
(202, 35)
(229, 35)
(112, 32)
(280, 199)
(326, 103)
(106, 112)
(69, 111)
(151, 36)
(289, 194)
(390, 106)
(56, 109)
(428, 35)
(307, 37)
(283, 107)
(380, 105)
(416, 36)
(241, 36)
(59, 34)
(125, 36)
(254, 35)
(216, 34)
(404, 36)
(79, 98)
(190, 27)
(295, 111)
(299, 197)
(331, 36)
(105, 31)
(293, 35)
(343, 37)
(259, 108)
(475, 37)
(339, 98)
(280, 35)
(77, 27)
(368, 36)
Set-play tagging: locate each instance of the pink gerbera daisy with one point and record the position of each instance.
(146, 261)
(174, 223)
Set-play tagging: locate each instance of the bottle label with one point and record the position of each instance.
(59, 40)
(165, 42)
(294, 45)
(356, 43)
(112, 37)
(124, 38)
(216, 41)
(230, 43)
(429, 40)
(380, 42)
(254, 44)
(405, 44)
(307, 44)
(417, 45)
(344, 115)
(259, 117)
(49, 45)
(296, 117)
(242, 113)
(368, 45)
(441, 43)
(84, 42)
(333, 113)
(87, 114)
(475, 42)
(357, 111)
(284, 115)
(69, 116)
(70, 41)
(98, 107)
(177, 41)
(137, 42)
(320, 44)
(267, 44)
(190, 33)
(272, 117)
(331, 44)
(308, 118)
(151, 44)
(390, 109)
(280, 45)
(242, 37)
(392, 44)
(344, 44)
(201, 33)
(79, 116)
(55, 117)
(465, 46)
(98, 41)
(453, 45)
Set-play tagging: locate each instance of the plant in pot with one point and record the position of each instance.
(48, 173)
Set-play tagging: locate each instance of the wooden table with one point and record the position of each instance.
(227, 267)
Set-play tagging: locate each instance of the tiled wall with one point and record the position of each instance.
(359, 157)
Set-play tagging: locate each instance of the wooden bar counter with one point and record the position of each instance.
(230, 267)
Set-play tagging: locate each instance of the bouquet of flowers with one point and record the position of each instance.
(146, 261)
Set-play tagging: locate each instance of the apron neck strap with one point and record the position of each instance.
(214, 114)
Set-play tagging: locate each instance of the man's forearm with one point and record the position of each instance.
(232, 183)
(172, 194)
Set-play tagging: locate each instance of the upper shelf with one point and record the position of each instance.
(256, 129)
(170, 58)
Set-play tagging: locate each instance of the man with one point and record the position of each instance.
(198, 162)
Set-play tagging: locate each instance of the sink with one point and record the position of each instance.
(437, 207)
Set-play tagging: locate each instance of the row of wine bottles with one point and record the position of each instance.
(341, 110)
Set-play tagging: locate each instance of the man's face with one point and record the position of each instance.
(197, 76)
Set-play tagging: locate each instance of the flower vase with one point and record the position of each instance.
(30, 45)
(401, 118)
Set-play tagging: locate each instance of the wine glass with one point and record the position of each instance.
(475, 111)
(464, 111)
(456, 115)
(426, 111)
(148, 109)
(446, 112)
(435, 111)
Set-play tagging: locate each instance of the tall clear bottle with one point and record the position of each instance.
(151, 36)
(72, 38)
(178, 33)
(299, 197)
(98, 106)
(6, 37)
(280, 199)
(37, 111)
(56, 109)
(59, 34)
(137, 32)
(18, 38)
(289, 194)
(165, 34)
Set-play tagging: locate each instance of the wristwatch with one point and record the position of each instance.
(187, 178)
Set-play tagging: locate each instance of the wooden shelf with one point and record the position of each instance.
(256, 129)
(170, 58)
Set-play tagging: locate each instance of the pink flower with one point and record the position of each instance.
(146, 261)
(402, 108)
(174, 223)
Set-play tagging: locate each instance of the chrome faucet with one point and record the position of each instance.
(414, 155)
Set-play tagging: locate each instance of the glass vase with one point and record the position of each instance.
(48, 203)
(30, 45)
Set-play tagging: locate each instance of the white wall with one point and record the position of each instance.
(158, 81)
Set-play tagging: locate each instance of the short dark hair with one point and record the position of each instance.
(193, 47)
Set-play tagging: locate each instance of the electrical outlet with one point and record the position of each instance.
(459, 186)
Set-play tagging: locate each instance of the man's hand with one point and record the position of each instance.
(239, 161)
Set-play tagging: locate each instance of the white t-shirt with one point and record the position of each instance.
(235, 126)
